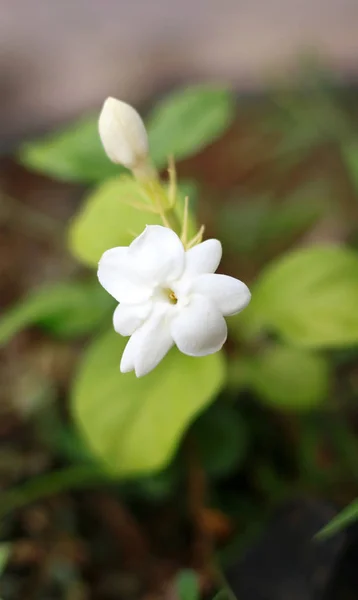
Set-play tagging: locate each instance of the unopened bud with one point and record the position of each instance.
(123, 134)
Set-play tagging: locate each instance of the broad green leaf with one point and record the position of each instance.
(107, 220)
(309, 297)
(222, 439)
(74, 154)
(66, 309)
(345, 518)
(188, 120)
(290, 378)
(187, 585)
(134, 425)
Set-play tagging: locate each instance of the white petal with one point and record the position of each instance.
(199, 328)
(158, 254)
(230, 295)
(203, 258)
(116, 273)
(128, 356)
(148, 345)
(128, 317)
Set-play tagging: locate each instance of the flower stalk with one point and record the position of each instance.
(125, 141)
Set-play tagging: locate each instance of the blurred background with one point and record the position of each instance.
(277, 452)
(60, 58)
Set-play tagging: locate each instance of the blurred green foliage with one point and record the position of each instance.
(67, 310)
(187, 585)
(283, 350)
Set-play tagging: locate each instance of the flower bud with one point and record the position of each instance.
(123, 134)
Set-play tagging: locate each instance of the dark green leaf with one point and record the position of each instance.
(74, 154)
(65, 309)
(222, 439)
(188, 120)
(345, 518)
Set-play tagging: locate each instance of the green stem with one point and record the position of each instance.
(159, 198)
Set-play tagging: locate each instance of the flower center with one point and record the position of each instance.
(171, 296)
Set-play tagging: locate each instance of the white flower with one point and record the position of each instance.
(123, 134)
(169, 296)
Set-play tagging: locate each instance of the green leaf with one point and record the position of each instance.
(5, 550)
(159, 486)
(309, 297)
(106, 219)
(290, 378)
(65, 309)
(187, 585)
(188, 120)
(259, 221)
(74, 154)
(350, 157)
(345, 518)
(49, 484)
(222, 438)
(134, 425)
(182, 124)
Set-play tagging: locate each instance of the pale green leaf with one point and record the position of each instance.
(66, 309)
(345, 518)
(107, 220)
(73, 154)
(135, 425)
(309, 297)
(188, 120)
(290, 378)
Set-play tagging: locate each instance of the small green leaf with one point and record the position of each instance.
(187, 585)
(74, 154)
(309, 297)
(188, 120)
(290, 378)
(345, 518)
(5, 551)
(107, 220)
(134, 425)
(350, 157)
(49, 484)
(222, 439)
(65, 309)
